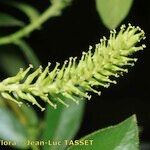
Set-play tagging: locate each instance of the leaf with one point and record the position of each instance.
(11, 62)
(30, 11)
(28, 52)
(7, 20)
(123, 136)
(29, 119)
(11, 129)
(112, 12)
(62, 124)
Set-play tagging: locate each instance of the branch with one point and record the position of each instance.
(54, 10)
(76, 78)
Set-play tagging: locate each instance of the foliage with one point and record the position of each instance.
(118, 137)
(66, 122)
(112, 12)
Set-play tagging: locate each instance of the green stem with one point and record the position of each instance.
(54, 10)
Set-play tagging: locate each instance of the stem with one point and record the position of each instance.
(54, 10)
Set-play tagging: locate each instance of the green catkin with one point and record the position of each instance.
(95, 68)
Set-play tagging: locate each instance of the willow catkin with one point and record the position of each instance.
(108, 58)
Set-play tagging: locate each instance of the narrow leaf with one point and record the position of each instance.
(30, 11)
(11, 63)
(112, 12)
(7, 20)
(123, 136)
(62, 124)
(28, 52)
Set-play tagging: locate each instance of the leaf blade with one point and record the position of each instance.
(11, 129)
(65, 124)
(7, 20)
(31, 12)
(28, 52)
(123, 136)
(113, 12)
(11, 62)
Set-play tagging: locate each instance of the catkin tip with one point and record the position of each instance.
(42, 109)
(30, 65)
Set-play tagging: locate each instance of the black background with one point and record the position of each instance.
(73, 32)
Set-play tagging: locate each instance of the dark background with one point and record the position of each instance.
(72, 33)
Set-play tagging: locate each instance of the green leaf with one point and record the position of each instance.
(123, 136)
(11, 129)
(62, 123)
(31, 117)
(28, 52)
(30, 120)
(7, 20)
(11, 62)
(30, 11)
(112, 12)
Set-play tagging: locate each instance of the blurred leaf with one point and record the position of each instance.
(31, 117)
(62, 123)
(123, 136)
(7, 20)
(112, 12)
(28, 52)
(11, 63)
(30, 11)
(2, 103)
(11, 129)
